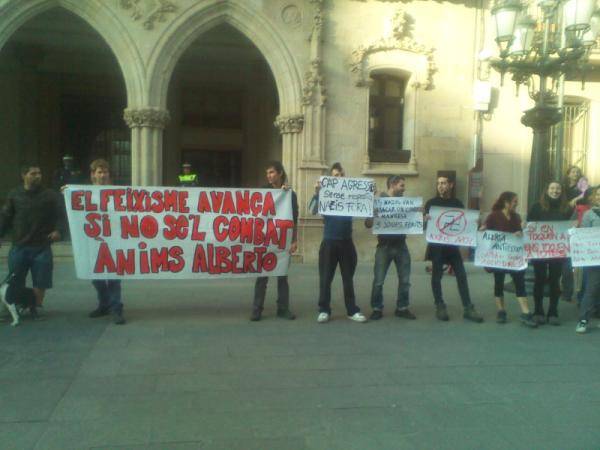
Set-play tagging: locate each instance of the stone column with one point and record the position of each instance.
(147, 125)
(290, 127)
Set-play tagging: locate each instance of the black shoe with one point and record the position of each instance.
(553, 320)
(285, 314)
(472, 315)
(538, 318)
(501, 317)
(376, 315)
(442, 313)
(255, 317)
(405, 314)
(118, 318)
(98, 312)
(528, 321)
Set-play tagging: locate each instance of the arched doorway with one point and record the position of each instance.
(223, 102)
(62, 93)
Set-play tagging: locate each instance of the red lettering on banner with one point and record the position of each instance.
(92, 228)
(177, 227)
(242, 200)
(197, 235)
(269, 262)
(149, 227)
(269, 205)
(249, 259)
(177, 262)
(126, 262)
(199, 263)
(130, 227)
(235, 259)
(203, 203)
(256, 203)
(216, 199)
(222, 259)
(106, 229)
(76, 200)
(144, 265)
(104, 261)
(228, 205)
(259, 235)
(220, 228)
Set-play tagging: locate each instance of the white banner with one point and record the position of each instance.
(340, 196)
(452, 226)
(547, 240)
(500, 250)
(398, 215)
(161, 232)
(585, 246)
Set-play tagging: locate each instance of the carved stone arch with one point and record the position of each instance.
(201, 17)
(102, 19)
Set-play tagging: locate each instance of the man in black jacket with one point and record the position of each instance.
(34, 214)
(441, 254)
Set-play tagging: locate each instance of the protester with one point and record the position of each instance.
(575, 185)
(277, 179)
(592, 274)
(187, 178)
(35, 216)
(109, 291)
(391, 247)
(581, 208)
(336, 248)
(441, 253)
(553, 206)
(505, 218)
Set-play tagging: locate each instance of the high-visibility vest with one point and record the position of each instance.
(188, 180)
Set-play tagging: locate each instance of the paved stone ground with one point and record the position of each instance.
(189, 371)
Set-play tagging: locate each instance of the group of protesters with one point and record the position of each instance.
(36, 217)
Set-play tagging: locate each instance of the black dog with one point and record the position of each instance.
(16, 297)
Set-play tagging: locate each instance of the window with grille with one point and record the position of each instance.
(575, 129)
(386, 117)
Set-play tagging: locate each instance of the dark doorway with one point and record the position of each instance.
(216, 168)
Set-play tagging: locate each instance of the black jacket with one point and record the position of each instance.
(32, 215)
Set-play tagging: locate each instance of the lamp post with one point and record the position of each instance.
(539, 53)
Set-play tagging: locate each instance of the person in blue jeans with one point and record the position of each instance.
(336, 248)
(391, 248)
(109, 291)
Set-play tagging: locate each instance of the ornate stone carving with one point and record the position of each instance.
(293, 123)
(401, 40)
(147, 117)
(291, 16)
(314, 80)
(150, 11)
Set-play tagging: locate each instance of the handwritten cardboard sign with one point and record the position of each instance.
(398, 215)
(340, 196)
(585, 246)
(452, 226)
(547, 240)
(158, 232)
(500, 250)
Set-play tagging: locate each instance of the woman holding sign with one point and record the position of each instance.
(553, 206)
(505, 218)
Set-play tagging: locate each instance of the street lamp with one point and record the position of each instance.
(539, 53)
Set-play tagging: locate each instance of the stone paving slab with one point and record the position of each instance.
(190, 371)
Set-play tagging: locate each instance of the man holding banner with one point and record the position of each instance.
(454, 226)
(108, 291)
(337, 199)
(392, 247)
(277, 178)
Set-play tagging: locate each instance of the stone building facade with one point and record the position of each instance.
(383, 86)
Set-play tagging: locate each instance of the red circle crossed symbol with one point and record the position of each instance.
(451, 222)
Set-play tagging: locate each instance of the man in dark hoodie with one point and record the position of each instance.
(35, 216)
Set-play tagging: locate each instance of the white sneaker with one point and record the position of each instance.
(581, 327)
(358, 317)
(323, 317)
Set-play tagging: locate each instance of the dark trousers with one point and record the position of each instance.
(568, 280)
(109, 295)
(332, 253)
(384, 256)
(283, 293)
(592, 292)
(547, 271)
(451, 256)
(518, 278)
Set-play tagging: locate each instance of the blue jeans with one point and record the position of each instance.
(592, 291)
(384, 255)
(38, 260)
(109, 295)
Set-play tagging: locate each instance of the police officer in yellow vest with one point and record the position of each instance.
(187, 177)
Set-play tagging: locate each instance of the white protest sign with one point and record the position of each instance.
(452, 226)
(340, 196)
(398, 215)
(159, 232)
(500, 250)
(547, 240)
(585, 246)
